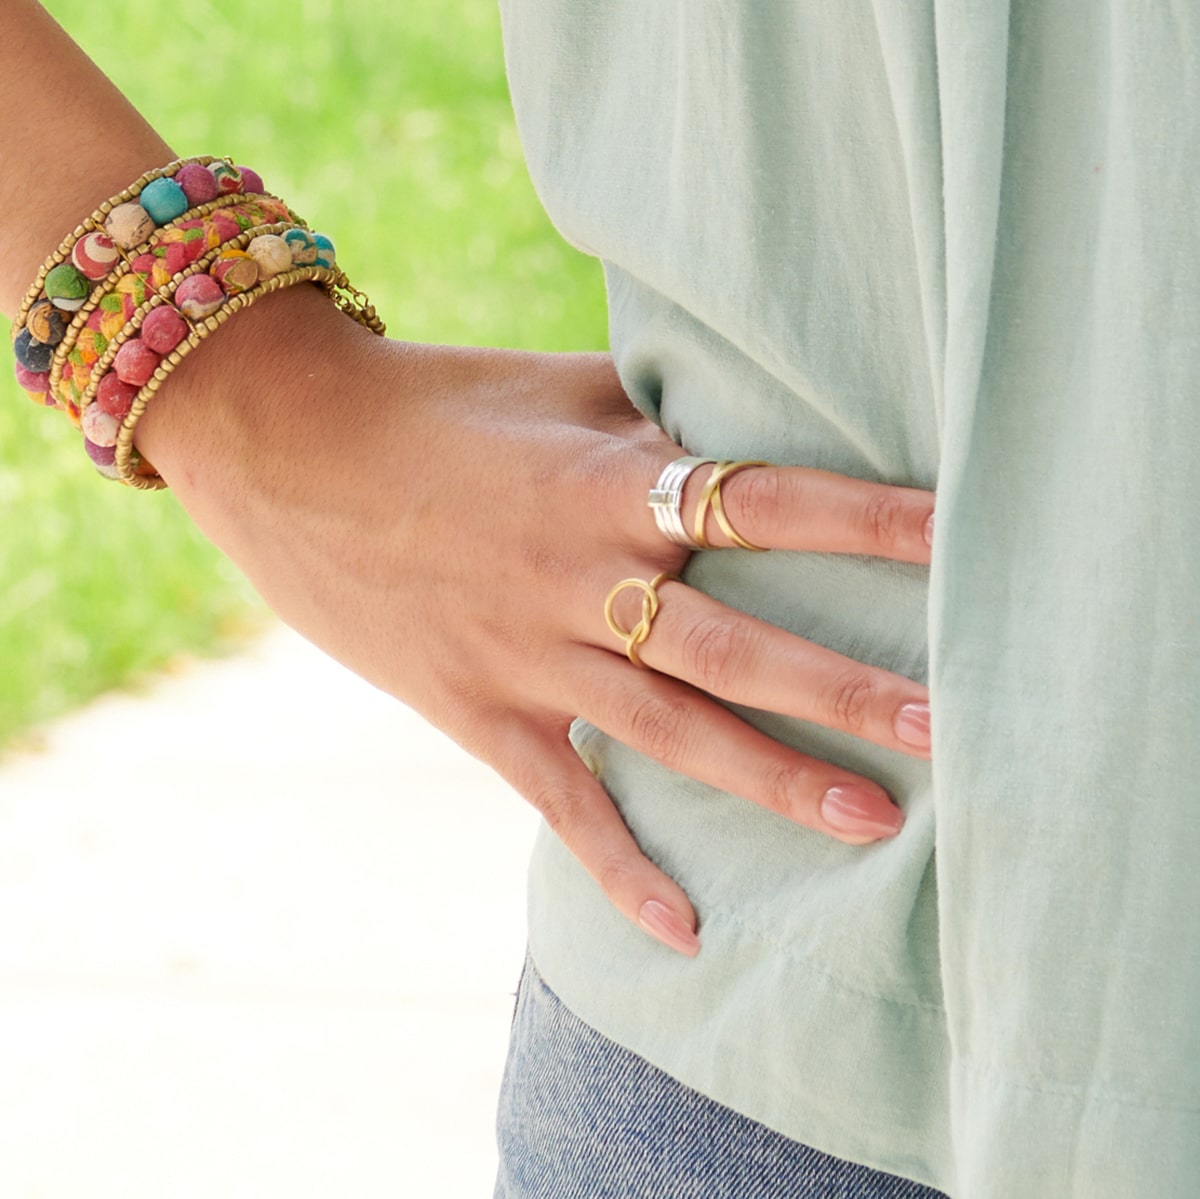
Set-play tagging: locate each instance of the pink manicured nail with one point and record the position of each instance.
(668, 926)
(929, 530)
(861, 812)
(912, 725)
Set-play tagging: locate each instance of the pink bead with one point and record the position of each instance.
(94, 255)
(163, 329)
(35, 382)
(99, 427)
(104, 458)
(198, 184)
(135, 362)
(115, 396)
(251, 181)
(199, 296)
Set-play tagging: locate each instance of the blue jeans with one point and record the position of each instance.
(582, 1118)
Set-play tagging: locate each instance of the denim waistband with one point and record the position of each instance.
(582, 1118)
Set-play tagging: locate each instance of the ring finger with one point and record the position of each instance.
(750, 662)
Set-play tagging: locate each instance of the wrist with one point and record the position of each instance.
(272, 389)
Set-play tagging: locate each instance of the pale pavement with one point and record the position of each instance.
(259, 933)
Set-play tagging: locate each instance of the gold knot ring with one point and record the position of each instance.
(710, 497)
(640, 631)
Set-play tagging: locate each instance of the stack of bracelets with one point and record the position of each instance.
(144, 280)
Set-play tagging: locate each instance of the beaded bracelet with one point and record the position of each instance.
(99, 246)
(153, 272)
(111, 304)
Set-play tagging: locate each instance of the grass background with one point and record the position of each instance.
(387, 126)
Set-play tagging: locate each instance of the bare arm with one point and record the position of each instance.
(448, 521)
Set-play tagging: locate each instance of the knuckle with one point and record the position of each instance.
(883, 518)
(658, 726)
(756, 495)
(783, 787)
(850, 701)
(712, 651)
(615, 874)
(559, 805)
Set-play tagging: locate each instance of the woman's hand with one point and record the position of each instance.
(448, 522)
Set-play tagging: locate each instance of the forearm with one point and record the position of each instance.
(46, 189)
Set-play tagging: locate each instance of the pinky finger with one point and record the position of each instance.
(545, 769)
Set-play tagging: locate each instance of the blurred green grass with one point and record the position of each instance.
(389, 127)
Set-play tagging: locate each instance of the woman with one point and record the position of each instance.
(925, 246)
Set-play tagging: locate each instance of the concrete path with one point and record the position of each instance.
(259, 933)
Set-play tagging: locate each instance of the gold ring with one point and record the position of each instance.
(640, 631)
(710, 497)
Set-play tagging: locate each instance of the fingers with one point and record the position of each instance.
(747, 661)
(686, 731)
(797, 508)
(544, 768)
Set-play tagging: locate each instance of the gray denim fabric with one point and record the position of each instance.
(582, 1118)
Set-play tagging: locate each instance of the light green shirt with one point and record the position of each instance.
(946, 243)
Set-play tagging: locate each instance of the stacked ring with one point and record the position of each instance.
(641, 630)
(710, 497)
(666, 496)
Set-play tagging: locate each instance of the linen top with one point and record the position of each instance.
(938, 243)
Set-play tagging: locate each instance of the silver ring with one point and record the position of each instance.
(666, 496)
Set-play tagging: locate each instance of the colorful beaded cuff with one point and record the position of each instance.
(151, 274)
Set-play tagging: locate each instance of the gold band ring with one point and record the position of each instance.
(640, 631)
(710, 497)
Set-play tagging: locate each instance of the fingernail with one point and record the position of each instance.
(912, 725)
(669, 927)
(861, 812)
(929, 530)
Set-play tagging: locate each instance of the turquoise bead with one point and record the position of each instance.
(164, 200)
(326, 254)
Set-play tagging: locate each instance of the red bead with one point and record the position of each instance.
(163, 329)
(115, 396)
(94, 254)
(136, 362)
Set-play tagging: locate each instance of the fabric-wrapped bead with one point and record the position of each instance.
(114, 395)
(104, 458)
(94, 255)
(46, 323)
(37, 383)
(164, 200)
(251, 181)
(31, 354)
(302, 245)
(326, 254)
(99, 427)
(198, 184)
(66, 288)
(235, 271)
(271, 253)
(199, 296)
(135, 362)
(228, 177)
(129, 225)
(163, 329)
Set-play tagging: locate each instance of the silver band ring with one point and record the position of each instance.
(666, 496)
